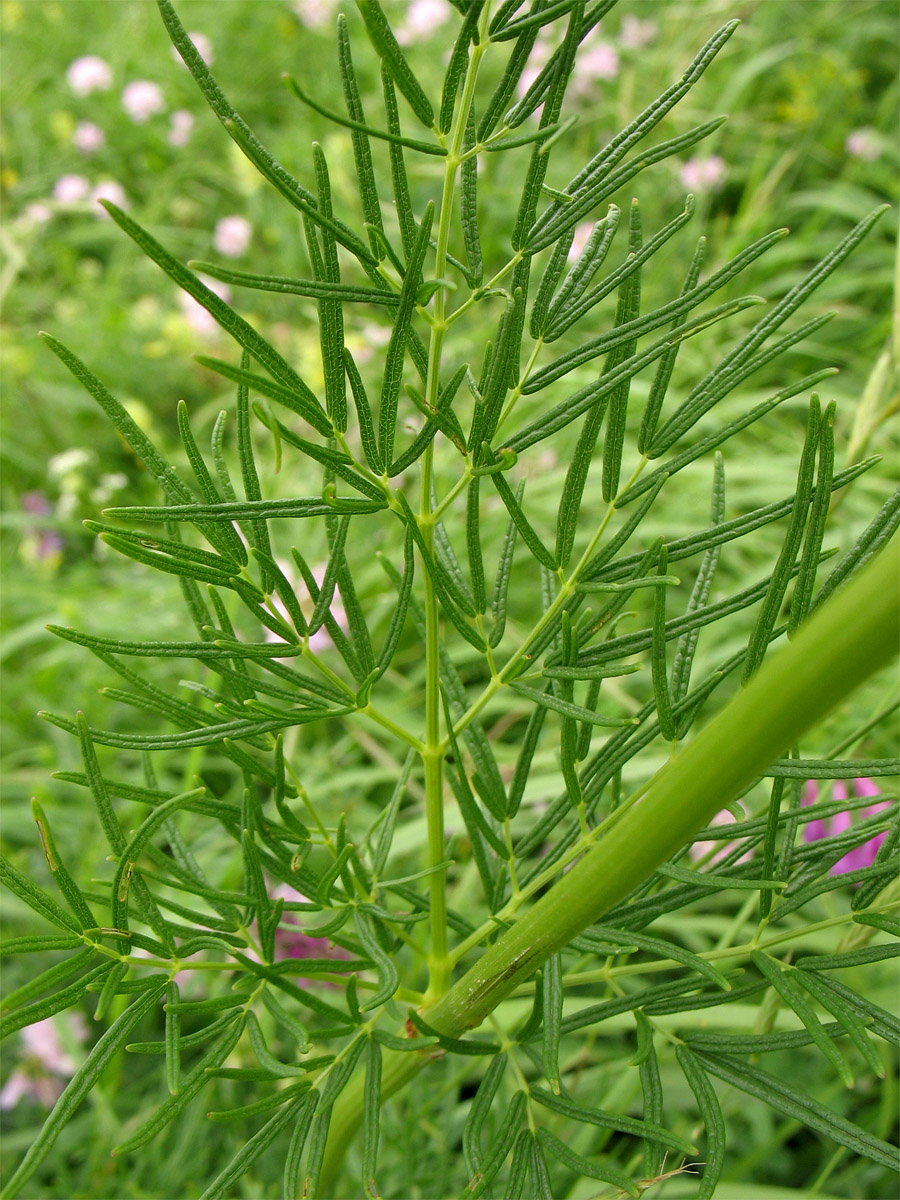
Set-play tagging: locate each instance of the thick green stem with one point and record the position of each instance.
(851, 636)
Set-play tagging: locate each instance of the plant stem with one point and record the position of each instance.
(851, 636)
(432, 752)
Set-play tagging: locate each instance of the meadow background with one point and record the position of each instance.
(812, 143)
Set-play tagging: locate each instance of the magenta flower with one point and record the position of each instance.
(71, 189)
(182, 122)
(142, 100)
(88, 137)
(861, 856)
(704, 174)
(293, 942)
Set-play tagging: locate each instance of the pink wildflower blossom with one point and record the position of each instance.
(599, 61)
(314, 13)
(88, 137)
(38, 212)
(636, 33)
(195, 314)
(70, 189)
(582, 233)
(181, 127)
(142, 100)
(232, 236)
(863, 143)
(422, 19)
(89, 74)
(108, 189)
(704, 174)
(290, 939)
(43, 1065)
(204, 49)
(860, 856)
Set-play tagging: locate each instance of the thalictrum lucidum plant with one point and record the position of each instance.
(292, 958)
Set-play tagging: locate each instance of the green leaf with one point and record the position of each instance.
(663, 949)
(388, 976)
(584, 1166)
(514, 508)
(231, 544)
(704, 395)
(371, 1108)
(765, 622)
(568, 709)
(265, 1105)
(658, 657)
(794, 997)
(361, 129)
(500, 597)
(59, 971)
(29, 1014)
(64, 881)
(851, 958)
(382, 38)
(319, 289)
(579, 402)
(393, 362)
(304, 1114)
(224, 1183)
(848, 1020)
(78, 1087)
(582, 272)
(518, 1170)
(663, 376)
(594, 1116)
(800, 1107)
(551, 984)
(38, 944)
(243, 137)
(468, 197)
(265, 510)
(711, 1114)
(479, 1111)
(494, 1158)
(876, 534)
(299, 399)
(600, 166)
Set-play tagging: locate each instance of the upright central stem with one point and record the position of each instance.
(432, 753)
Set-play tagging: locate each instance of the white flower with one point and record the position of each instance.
(704, 174)
(863, 143)
(232, 236)
(195, 314)
(108, 189)
(182, 125)
(314, 13)
(142, 100)
(69, 189)
(89, 74)
(636, 33)
(88, 137)
(203, 46)
(68, 463)
(422, 18)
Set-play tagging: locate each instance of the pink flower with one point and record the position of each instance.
(422, 18)
(599, 61)
(292, 942)
(314, 13)
(142, 100)
(699, 850)
(863, 143)
(89, 74)
(636, 33)
(42, 1066)
(182, 125)
(195, 314)
(203, 46)
(704, 174)
(71, 189)
(232, 236)
(537, 60)
(108, 189)
(582, 233)
(88, 137)
(813, 831)
(38, 212)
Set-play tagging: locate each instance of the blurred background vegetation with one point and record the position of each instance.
(811, 143)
